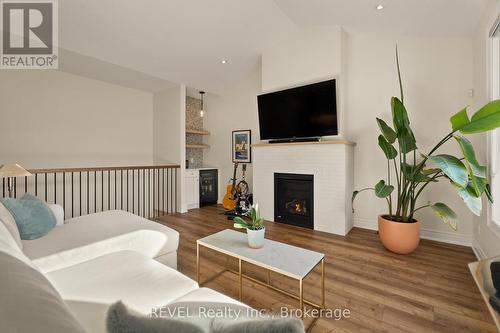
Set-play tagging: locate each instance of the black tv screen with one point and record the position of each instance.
(302, 112)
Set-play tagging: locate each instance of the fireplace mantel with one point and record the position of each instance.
(331, 163)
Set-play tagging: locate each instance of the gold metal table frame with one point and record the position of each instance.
(267, 284)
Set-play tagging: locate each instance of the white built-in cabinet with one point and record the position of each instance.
(193, 189)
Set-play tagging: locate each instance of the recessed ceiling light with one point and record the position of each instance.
(223, 61)
(379, 7)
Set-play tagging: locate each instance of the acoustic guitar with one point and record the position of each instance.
(230, 198)
(242, 192)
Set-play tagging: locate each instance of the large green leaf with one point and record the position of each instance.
(413, 174)
(452, 167)
(399, 116)
(387, 131)
(459, 120)
(482, 186)
(382, 190)
(472, 201)
(401, 122)
(431, 171)
(485, 119)
(445, 213)
(470, 156)
(487, 191)
(389, 151)
(407, 141)
(477, 173)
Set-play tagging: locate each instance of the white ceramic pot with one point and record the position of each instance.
(256, 238)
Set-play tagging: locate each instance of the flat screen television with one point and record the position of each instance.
(303, 112)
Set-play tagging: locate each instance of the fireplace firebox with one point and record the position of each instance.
(294, 199)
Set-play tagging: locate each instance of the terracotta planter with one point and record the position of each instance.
(399, 237)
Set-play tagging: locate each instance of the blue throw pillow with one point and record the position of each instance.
(33, 217)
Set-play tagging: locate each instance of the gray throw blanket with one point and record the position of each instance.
(120, 320)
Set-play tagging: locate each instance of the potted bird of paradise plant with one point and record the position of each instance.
(255, 227)
(409, 172)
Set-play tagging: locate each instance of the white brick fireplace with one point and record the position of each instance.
(331, 164)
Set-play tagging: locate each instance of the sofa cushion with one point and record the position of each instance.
(33, 217)
(86, 237)
(9, 222)
(29, 303)
(8, 245)
(142, 283)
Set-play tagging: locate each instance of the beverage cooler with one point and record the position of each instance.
(208, 187)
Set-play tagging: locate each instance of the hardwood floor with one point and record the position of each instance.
(430, 290)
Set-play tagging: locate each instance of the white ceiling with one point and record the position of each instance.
(176, 40)
(185, 40)
(93, 68)
(457, 18)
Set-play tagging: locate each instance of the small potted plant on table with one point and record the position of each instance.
(408, 170)
(255, 227)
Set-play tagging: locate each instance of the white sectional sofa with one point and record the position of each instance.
(87, 264)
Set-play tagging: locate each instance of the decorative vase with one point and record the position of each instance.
(399, 237)
(256, 238)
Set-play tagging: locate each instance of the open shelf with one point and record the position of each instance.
(198, 146)
(196, 131)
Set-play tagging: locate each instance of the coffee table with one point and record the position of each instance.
(284, 259)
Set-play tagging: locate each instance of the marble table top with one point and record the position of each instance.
(285, 259)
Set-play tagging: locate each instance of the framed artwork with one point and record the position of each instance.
(242, 151)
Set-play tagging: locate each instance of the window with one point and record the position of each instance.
(494, 146)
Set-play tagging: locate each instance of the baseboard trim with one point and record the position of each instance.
(365, 224)
(440, 236)
(480, 255)
(446, 237)
(478, 251)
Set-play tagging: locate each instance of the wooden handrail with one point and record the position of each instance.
(115, 168)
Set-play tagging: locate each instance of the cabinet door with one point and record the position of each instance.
(208, 187)
(192, 192)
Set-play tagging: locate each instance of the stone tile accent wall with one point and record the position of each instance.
(194, 121)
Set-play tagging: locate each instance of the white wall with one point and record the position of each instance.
(308, 55)
(169, 144)
(235, 110)
(167, 125)
(486, 239)
(55, 119)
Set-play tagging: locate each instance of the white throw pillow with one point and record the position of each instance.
(30, 303)
(58, 212)
(9, 222)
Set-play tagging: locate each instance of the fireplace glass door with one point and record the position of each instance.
(294, 199)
